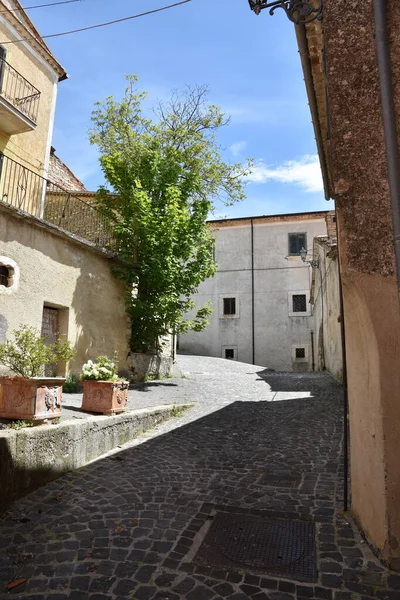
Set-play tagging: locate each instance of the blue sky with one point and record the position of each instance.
(251, 65)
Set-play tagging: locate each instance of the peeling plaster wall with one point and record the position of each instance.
(326, 311)
(372, 315)
(65, 274)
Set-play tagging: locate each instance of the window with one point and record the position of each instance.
(297, 241)
(300, 352)
(9, 275)
(229, 352)
(299, 303)
(4, 275)
(229, 306)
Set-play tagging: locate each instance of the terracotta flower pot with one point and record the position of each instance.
(30, 398)
(106, 397)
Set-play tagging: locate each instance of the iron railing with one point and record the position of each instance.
(18, 91)
(31, 193)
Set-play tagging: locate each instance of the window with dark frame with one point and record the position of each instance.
(229, 306)
(299, 303)
(300, 352)
(297, 241)
(230, 353)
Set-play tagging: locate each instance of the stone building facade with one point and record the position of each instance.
(260, 293)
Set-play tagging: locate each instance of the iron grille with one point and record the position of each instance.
(299, 303)
(300, 352)
(26, 190)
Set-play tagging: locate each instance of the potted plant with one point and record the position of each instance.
(103, 391)
(28, 395)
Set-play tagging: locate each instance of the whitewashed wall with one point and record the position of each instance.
(276, 276)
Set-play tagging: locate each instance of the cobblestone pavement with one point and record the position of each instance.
(129, 526)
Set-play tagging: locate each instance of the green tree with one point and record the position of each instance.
(164, 176)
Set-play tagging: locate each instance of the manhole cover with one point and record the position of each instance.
(274, 480)
(275, 546)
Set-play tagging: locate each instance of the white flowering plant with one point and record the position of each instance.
(102, 369)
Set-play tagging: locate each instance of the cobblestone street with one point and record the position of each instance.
(129, 526)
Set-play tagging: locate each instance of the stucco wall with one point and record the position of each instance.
(326, 310)
(59, 272)
(371, 305)
(275, 276)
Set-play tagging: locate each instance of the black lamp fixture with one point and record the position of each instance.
(297, 11)
(312, 263)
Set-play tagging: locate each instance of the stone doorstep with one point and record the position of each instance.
(33, 456)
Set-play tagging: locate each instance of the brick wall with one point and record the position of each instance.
(61, 175)
(331, 225)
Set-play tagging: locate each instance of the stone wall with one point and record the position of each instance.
(30, 458)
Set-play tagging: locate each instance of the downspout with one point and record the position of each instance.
(345, 386)
(312, 350)
(389, 121)
(253, 352)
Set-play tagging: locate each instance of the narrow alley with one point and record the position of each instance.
(258, 453)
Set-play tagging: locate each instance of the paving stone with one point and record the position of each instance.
(123, 527)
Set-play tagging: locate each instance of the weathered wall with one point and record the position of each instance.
(30, 458)
(57, 271)
(62, 175)
(371, 304)
(326, 310)
(275, 276)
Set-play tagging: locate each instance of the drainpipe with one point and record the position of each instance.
(252, 295)
(389, 121)
(312, 350)
(345, 386)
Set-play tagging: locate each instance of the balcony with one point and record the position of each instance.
(30, 193)
(19, 101)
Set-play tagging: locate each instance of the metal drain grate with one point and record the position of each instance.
(274, 480)
(277, 547)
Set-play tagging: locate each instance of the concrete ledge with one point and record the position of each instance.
(31, 457)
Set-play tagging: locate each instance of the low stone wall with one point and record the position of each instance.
(31, 457)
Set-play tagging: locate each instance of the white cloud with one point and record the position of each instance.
(237, 148)
(304, 172)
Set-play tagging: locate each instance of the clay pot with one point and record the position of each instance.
(30, 398)
(106, 397)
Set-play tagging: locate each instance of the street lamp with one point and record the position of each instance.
(297, 11)
(303, 256)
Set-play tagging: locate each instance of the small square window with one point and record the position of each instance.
(299, 303)
(229, 306)
(297, 241)
(230, 353)
(300, 352)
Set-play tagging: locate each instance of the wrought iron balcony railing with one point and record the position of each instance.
(17, 90)
(29, 192)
